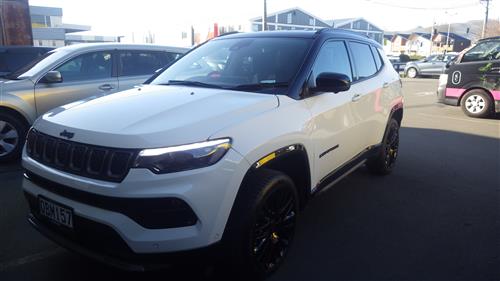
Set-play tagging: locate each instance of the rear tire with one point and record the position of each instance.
(477, 103)
(261, 226)
(12, 137)
(384, 161)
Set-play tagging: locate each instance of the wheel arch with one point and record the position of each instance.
(16, 113)
(291, 160)
(475, 88)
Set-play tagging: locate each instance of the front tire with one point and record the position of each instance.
(384, 161)
(12, 136)
(412, 72)
(477, 103)
(261, 226)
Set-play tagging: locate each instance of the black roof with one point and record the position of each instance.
(329, 32)
(490, 38)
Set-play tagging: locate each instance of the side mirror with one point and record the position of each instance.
(450, 63)
(331, 82)
(52, 77)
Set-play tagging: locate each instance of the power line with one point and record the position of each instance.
(393, 5)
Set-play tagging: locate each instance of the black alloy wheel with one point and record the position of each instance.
(274, 228)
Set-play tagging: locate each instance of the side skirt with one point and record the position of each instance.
(337, 175)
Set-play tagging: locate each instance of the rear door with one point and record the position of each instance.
(367, 105)
(335, 142)
(86, 75)
(136, 66)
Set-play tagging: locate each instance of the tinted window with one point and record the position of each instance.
(483, 52)
(143, 62)
(12, 60)
(333, 57)
(238, 62)
(378, 59)
(363, 60)
(89, 66)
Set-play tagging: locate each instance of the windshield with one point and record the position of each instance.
(36, 65)
(484, 51)
(256, 64)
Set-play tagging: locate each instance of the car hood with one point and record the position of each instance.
(154, 116)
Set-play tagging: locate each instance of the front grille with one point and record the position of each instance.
(97, 162)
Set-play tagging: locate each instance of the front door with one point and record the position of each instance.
(83, 76)
(332, 117)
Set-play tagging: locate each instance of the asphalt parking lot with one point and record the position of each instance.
(437, 217)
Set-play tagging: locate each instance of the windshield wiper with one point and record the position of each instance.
(191, 83)
(262, 85)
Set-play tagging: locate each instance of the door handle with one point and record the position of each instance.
(385, 85)
(356, 97)
(106, 87)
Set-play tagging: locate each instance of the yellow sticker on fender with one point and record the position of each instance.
(266, 159)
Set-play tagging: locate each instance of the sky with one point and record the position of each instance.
(167, 19)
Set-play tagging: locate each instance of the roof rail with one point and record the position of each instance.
(326, 29)
(228, 33)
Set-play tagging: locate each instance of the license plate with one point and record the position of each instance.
(57, 213)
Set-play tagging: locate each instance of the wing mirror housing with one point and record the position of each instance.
(52, 77)
(331, 82)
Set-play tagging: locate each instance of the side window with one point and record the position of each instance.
(483, 52)
(333, 57)
(363, 60)
(136, 63)
(89, 66)
(378, 59)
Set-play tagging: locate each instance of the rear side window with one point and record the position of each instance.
(363, 60)
(333, 57)
(378, 59)
(136, 63)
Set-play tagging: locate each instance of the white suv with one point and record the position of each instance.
(226, 145)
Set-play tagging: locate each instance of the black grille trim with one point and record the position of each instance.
(91, 161)
(151, 213)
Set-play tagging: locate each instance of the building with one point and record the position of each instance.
(49, 29)
(442, 42)
(398, 43)
(290, 19)
(359, 25)
(419, 44)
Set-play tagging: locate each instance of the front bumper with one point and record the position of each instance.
(441, 92)
(209, 193)
(122, 258)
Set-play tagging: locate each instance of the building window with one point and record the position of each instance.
(289, 18)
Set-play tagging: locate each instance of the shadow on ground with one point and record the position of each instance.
(435, 218)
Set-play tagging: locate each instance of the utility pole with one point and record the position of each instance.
(264, 17)
(485, 24)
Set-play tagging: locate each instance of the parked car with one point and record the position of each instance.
(432, 65)
(69, 74)
(13, 58)
(214, 155)
(472, 81)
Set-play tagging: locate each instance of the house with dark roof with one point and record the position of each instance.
(359, 25)
(452, 43)
(290, 19)
(419, 44)
(398, 43)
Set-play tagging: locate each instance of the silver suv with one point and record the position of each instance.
(69, 74)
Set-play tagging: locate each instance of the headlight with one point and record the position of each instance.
(183, 157)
